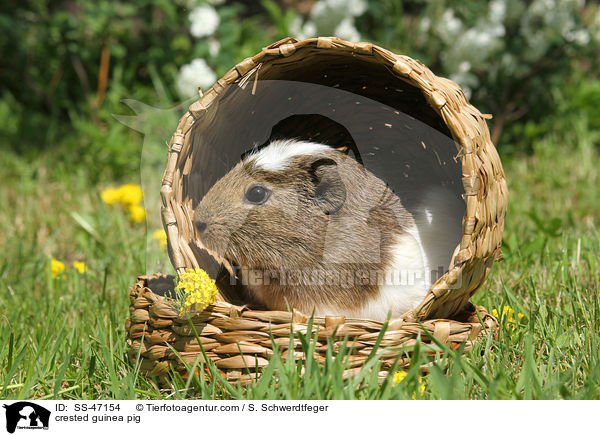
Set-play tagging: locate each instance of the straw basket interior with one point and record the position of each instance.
(369, 72)
(364, 69)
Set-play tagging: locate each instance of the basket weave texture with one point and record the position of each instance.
(240, 340)
(228, 328)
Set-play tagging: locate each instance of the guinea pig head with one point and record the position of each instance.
(271, 210)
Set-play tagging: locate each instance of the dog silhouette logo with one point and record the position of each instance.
(26, 415)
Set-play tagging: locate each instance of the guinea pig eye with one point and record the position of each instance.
(257, 194)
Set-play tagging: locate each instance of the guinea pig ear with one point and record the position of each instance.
(329, 191)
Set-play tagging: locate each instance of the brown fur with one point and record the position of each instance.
(326, 214)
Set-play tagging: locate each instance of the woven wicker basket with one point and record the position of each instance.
(237, 338)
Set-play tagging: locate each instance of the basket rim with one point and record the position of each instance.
(483, 178)
(232, 336)
(295, 315)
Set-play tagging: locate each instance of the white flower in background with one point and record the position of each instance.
(467, 82)
(193, 75)
(346, 30)
(581, 36)
(330, 17)
(452, 23)
(327, 17)
(205, 21)
(295, 26)
(469, 48)
(556, 16)
(302, 30)
(214, 46)
(545, 20)
(537, 45)
(497, 11)
(357, 7)
(309, 30)
(425, 24)
(514, 10)
(508, 64)
(449, 26)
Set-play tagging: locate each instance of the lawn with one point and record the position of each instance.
(64, 337)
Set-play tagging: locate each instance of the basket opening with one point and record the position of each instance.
(341, 100)
(162, 285)
(360, 75)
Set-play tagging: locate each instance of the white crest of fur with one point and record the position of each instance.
(277, 155)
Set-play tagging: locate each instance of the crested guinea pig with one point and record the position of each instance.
(308, 227)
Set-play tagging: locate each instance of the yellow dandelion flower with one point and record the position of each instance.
(160, 236)
(508, 317)
(137, 213)
(198, 289)
(57, 267)
(401, 375)
(126, 195)
(110, 196)
(507, 310)
(79, 266)
(398, 377)
(130, 194)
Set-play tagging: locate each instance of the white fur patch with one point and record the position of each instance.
(403, 285)
(419, 251)
(277, 155)
(406, 280)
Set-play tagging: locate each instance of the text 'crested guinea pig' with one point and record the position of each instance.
(308, 227)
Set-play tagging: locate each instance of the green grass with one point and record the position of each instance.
(65, 338)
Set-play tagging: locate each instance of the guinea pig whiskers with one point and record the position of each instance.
(239, 252)
(217, 224)
(250, 260)
(234, 253)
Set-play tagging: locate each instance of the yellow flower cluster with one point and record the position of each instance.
(129, 196)
(160, 236)
(197, 289)
(401, 375)
(508, 316)
(58, 267)
(79, 266)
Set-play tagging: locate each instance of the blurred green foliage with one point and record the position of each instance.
(51, 86)
(67, 64)
(60, 142)
(533, 64)
(56, 47)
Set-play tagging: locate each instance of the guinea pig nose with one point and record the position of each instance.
(200, 226)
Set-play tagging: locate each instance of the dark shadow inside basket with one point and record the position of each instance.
(344, 101)
(162, 285)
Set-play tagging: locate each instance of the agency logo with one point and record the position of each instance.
(26, 415)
